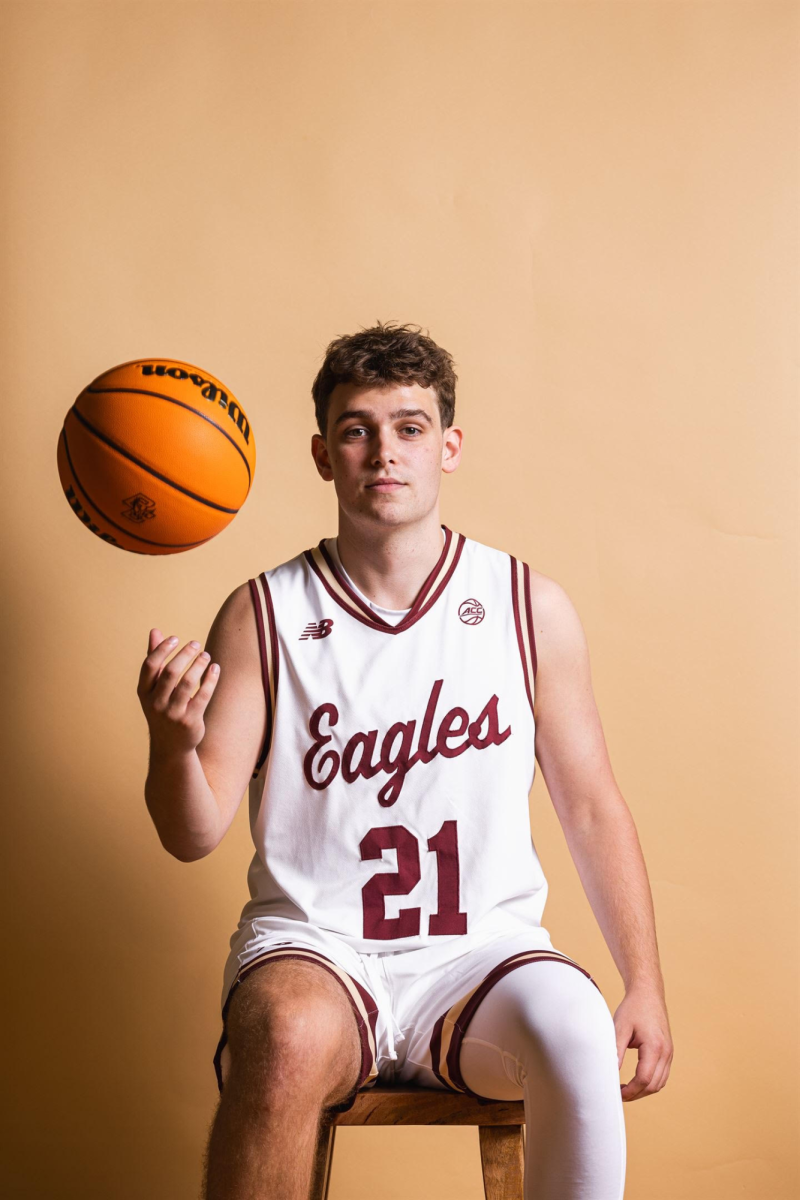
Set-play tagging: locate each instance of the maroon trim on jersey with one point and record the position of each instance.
(374, 621)
(469, 1010)
(273, 633)
(262, 649)
(518, 627)
(367, 1060)
(529, 615)
(423, 602)
(421, 606)
(356, 599)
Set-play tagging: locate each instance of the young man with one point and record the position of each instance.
(380, 692)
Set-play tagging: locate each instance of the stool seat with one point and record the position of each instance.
(500, 1131)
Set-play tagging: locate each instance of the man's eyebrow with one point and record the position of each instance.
(368, 416)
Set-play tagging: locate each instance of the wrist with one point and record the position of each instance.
(651, 982)
(168, 754)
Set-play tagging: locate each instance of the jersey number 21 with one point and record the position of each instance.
(444, 844)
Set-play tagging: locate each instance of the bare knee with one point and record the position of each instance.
(292, 1030)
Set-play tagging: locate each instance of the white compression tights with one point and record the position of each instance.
(544, 1034)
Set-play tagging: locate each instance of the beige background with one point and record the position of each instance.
(593, 206)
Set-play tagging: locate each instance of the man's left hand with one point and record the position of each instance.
(641, 1021)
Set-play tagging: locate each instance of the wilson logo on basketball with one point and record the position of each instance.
(317, 629)
(359, 757)
(472, 612)
(208, 390)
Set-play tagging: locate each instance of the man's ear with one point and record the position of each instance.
(319, 452)
(451, 448)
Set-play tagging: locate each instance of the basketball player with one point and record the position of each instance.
(379, 694)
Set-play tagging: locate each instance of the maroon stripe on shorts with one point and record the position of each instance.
(470, 1008)
(369, 1004)
(436, 1053)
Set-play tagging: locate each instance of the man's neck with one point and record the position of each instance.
(391, 564)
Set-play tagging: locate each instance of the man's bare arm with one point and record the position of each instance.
(597, 823)
(599, 829)
(204, 743)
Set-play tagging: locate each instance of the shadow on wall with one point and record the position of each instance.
(112, 986)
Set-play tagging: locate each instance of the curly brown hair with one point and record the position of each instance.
(385, 354)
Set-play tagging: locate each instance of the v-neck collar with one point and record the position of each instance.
(324, 566)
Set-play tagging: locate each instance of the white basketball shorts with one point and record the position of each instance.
(412, 1007)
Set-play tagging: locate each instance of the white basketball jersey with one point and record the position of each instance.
(389, 804)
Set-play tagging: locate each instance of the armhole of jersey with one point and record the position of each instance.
(268, 651)
(523, 622)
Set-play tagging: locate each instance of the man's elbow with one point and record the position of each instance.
(189, 853)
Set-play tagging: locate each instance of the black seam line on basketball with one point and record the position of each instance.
(172, 400)
(121, 528)
(150, 470)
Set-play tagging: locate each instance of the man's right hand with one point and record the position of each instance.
(174, 715)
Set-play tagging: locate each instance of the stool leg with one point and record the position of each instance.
(323, 1160)
(503, 1161)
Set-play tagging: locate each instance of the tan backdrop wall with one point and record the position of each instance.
(593, 206)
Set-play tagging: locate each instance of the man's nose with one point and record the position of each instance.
(382, 451)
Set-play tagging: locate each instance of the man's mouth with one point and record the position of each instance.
(385, 485)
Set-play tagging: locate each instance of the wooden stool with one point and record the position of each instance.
(500, 1124)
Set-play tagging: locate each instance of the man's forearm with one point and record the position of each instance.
(605, 847)
(182, 805)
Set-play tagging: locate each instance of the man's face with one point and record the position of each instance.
(378, 435)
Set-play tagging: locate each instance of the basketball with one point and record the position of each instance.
(156, 456)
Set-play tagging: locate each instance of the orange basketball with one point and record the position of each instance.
(156, 456)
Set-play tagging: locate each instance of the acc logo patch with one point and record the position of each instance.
(471, 612)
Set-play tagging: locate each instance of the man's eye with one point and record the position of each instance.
(354, 429)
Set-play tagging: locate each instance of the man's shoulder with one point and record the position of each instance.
(237, 607)
(547, 589)
(289, 569)
(547, 593)
(559, 633)
(552, 608)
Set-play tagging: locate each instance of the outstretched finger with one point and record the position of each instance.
(184, 687)
(155, 659)
(203, 694)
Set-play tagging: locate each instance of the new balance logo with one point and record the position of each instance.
(317, 629)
